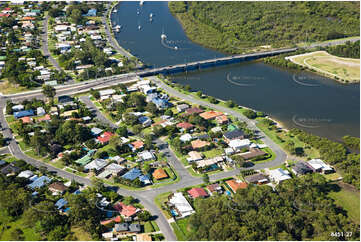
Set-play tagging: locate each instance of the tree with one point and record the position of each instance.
(205, 178)
(49, 91)
(250, 114)
(144, 216)
(152, 108)
(76, 16)
(122, 131)
(95, 93)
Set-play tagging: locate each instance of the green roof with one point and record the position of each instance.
(231, 127)
(2, 57)
(84, 160)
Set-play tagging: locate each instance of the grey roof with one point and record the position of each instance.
(301, 168)
(121, 227)
(234, 134)
(255, 178)
(10, 169)
(134, 228)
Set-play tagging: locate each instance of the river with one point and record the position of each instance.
(297, 99)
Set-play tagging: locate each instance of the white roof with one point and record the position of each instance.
(26, 174)
(181, 203)
(18, 107)
(106, 92)
(186, 137)
(96, 130)
(208, 162)
(96, 164)
(279, 174)
(239, 143)
(40, 110)
(216, 129)
(146, 155)
(319, 164)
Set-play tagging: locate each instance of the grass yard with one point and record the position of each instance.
(182, 229)
(347, 69)
(10, 88)
(348, 199)
(213, 153)
(159, 201)
(80, 234)
(148, 227)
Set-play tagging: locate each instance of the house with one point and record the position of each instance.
(69, 113)
(318, 165)
(10, 169)
(258, 178)
(222, 119)
(64, 99)
(57, 188)
(159, 174)
(209, 115)
(26, 120)
(197, 144)
(106, 92)
(253, 153)
(105, 137)
(194, 156)
(236, 184)
(215, 188)
(145, 179)
(186, 137)
(160, 103)
(125, 210)
(23, 113)
(132, 174)
(18, 108)
(234, 134)
(194, 110)
(26, 174)
(39, 182)
(197, 192)
(180, 205)
(278, 175)
(97, 165)
(96, 131)
(145, 121)
(125, 229)
(182, 107)
(61, 203)
(238, 144)
(229, 151)
(112, 169)
(301, 168)
(185, 126)
(40, 111)
(136, 145)
(209, 162)
(143, 237)
(146, 155)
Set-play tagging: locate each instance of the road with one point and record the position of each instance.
(332, 43)
(111, 40)
(45, 47)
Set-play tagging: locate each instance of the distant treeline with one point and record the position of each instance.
(237, 27)
(348, 50)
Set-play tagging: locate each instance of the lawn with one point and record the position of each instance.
(10, 88)
(213, 153)
(80, 234)
(181, 228)
(333, 66)
(348, 199)
(148, 227)
(159, 201)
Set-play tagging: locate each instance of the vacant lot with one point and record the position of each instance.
(342, 69)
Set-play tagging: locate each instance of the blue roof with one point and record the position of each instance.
(2, 162)
(91, 12)
(24, 113)
(163, 103)
(66, 210)
(39, 182)
(61, 203)
(143, 119)
(77, 192)
(34, 194)
(132, 174)
(144, 178)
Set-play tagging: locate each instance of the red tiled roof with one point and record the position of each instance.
(197, 192)
(185, 125)
(125, 210)
(105, 137)
(213, 187)
(4, 15)
(222, 119)
(159, 174)
(196, 144)
(137, 144)
(210, 114)
(194, 110)
(234, 185)
(45, 118)
(28, 18)
(26, 120)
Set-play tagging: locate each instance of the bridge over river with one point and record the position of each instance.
(196, 65)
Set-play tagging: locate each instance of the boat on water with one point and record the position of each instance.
(115, 10)
(138, 11)
(141, 3)
(163, 36)
(151, 15)
(139, 27)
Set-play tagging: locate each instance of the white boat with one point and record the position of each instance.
(176, 47)
(115, 10)
(138, 11)
(141, 3)
(151, 15)
(163, 36)
(139, 27)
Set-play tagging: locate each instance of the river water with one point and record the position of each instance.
(297, 99)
